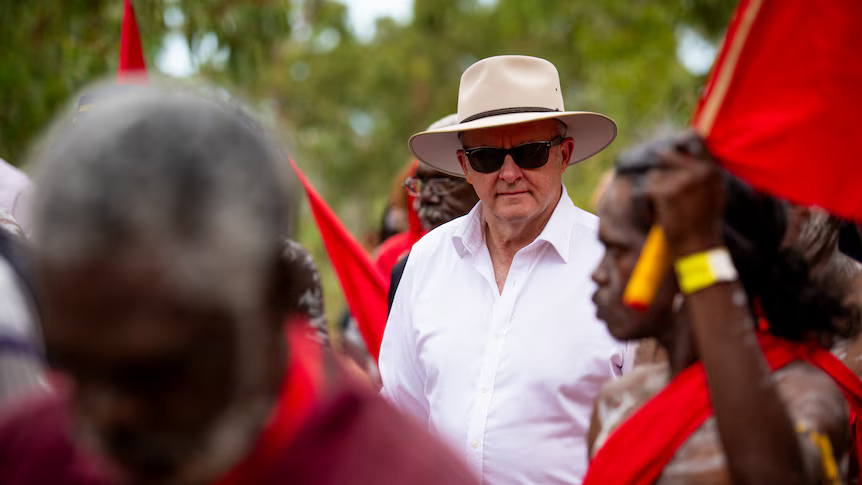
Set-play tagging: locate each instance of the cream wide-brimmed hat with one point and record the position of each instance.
(508, 90)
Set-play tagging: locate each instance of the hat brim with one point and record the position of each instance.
(592, 133)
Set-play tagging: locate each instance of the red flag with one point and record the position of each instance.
(781, 107)
(781, 111)
(132, 66)
(363, 286)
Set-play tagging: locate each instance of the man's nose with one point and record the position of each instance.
(510, 171)
(600, 276)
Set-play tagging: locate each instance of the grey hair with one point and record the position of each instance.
(818, 243)
(184, 178)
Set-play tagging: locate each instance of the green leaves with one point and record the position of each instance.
(346, 106)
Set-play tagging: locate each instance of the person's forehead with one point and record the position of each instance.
(513, 134)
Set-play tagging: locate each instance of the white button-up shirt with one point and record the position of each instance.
(508, 379)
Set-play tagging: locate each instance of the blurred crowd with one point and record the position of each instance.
(160, 325)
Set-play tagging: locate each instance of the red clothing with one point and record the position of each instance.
(363, 286)
(391, 251)
(317, 437)
(301, 391)
(666, 421)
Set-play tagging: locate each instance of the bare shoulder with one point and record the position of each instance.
(813, 399)
(818, 409)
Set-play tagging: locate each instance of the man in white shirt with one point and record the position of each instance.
(492, 339)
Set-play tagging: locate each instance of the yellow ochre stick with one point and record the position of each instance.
(651, 267)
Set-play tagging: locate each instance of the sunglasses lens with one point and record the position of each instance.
(531, 155)
(487, 160)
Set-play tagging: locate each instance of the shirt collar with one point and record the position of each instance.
(470, 237)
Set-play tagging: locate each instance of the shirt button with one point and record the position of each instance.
(474, 444)
(484, 390)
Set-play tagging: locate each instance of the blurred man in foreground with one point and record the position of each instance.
(160, 222)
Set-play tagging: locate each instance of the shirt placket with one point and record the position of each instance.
(501, 319)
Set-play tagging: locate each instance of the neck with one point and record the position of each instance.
(505, 238)
(678, 342)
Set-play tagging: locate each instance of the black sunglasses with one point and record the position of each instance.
(528, 155)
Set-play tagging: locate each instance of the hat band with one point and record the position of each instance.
(506, 111)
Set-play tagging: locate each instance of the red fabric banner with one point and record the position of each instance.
(365, 289)
(781, 107)
(666, 421)
(132, 66)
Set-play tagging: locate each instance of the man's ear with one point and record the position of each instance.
(462, 159)
(567, 147)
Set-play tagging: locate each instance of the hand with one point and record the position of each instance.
(687, 193)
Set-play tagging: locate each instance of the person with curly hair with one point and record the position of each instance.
(742, 398)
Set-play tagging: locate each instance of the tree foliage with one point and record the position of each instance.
(348, 105)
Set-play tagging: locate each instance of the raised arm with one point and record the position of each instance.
(755, 426)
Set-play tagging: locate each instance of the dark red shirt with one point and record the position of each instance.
(347, 436)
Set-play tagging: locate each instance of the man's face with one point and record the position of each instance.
(623, 241)
(154, 373)
(442, 197)
(514, 195)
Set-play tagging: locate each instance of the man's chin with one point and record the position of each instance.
(192, 465)
(616, 328)
(515, 212)
(175, 473)
(136, 472)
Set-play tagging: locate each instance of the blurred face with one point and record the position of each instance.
(513, 195)
(156, 374)
(623, 241)
(442, 197)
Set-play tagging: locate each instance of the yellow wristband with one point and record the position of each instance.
(701, 270)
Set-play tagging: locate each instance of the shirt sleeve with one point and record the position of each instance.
(400, 369)
(20, 349)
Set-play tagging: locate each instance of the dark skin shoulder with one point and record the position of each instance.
(816, 404)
